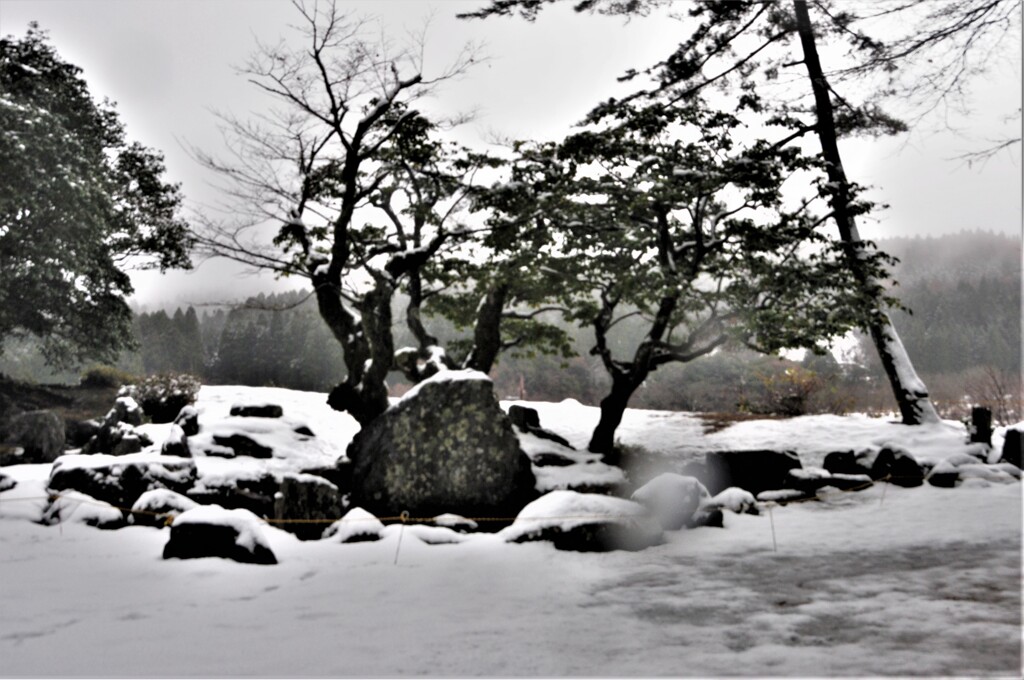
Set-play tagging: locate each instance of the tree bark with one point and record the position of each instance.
(487, 330)
(613, 406)
(909, 390)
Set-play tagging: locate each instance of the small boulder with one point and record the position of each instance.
(809, 479)
(356, 526)
(944, 475)
(125, 410)
(176, 444)
(303, 431)
(843, 463)
(782, 496)
(72, 506)
(735, 499)
(77, 433)
(188, 420)
(455, 522)
(706, 516)
(898, 467)
(39, 434)
(585, 522)
(523, 417)
(7, 482)
(241, 445)
(673, 499)
(1013, 446)
(305, 497)
(754, 471)
(157, 507)
(212, 531)
(257, 410)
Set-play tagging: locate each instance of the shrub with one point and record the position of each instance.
(106, 376)
(163, 396)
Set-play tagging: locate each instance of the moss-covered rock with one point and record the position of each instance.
(446, 447)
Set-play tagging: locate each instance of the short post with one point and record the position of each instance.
(981, 425)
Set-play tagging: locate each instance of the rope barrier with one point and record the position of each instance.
(405, 517)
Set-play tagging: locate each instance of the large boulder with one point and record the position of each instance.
(445, 447)
(215, 532)
(307, 498)
(250, 490)
(754, 471)
(39, 434)
(117, 435)
(120, 480)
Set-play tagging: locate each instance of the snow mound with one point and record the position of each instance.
(153, 506)
(737, 500)
(584, 470)
(672, 498)
(444, 377)
(73, 506)
(456, 522)
(357, 525)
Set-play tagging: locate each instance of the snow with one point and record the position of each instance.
(886, 581)
(568, 509)
(445, 376)
(355, 524)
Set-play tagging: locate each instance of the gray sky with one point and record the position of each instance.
(167, 63)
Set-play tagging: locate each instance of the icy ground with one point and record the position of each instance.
(887, 581)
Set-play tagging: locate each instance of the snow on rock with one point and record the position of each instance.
(120, 480)
(737, 500)
(445, 376)
(212, 531)
(781, 495)
(585, 522)
(6, 482)
(428, 534)
(72, 506)
(672, 498)
(155, 507)
(456, 522)
(576, 470)
(357, 525)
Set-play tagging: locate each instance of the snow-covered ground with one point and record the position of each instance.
(923, 581)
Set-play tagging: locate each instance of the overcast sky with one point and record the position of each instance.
(167, 63)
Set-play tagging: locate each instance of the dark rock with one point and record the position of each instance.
(40, 435)
(218, 537)
(255, 494)
(304, 431)
(898, 467)
(551, 459)
(447, 448)
(980, 428)
(257, 410)
(176, 444)
(1013, 447)
(706, 516)
(188, 420)
(340, 475)
(601, 536)
(128, 443)
(306, 497)
(810, 480)
(243, 446)
(120, 482)
(523, 417)
(7, 482)
(944, 476)
(843, 463)
(754, 471)
(125, 410)
(77, 433)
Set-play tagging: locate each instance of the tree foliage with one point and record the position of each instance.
(79, 204)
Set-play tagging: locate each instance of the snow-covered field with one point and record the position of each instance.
(923, 581)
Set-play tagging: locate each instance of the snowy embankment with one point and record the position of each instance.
(883, 581)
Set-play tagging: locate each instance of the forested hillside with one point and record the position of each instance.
(963, 293)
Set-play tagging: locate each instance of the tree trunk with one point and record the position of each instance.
(909, 390)
(487, 331)
(613, 407)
